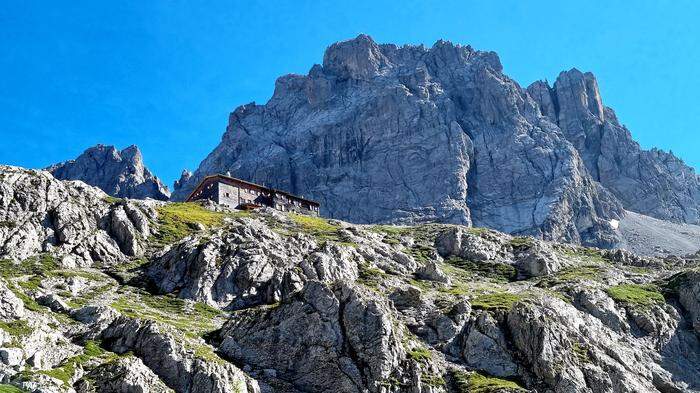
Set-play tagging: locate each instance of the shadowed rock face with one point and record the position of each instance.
(651, 182)
(381, 133)
(118, 173)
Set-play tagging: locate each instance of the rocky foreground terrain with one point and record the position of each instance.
(100, 294)
(408, 134)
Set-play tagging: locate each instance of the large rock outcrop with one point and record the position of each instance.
(120, 174)
(69, 219)
(265, 301)
(653, 182)
(381, 133)
(348, 341)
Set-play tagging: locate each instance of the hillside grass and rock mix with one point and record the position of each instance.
(102, 295)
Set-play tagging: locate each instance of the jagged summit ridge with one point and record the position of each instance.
(118, 173)
(382, 133)
(650, 182)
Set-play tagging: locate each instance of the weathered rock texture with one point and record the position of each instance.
(654, 183)
(381, 133)
(118, 173)
(269, 302)
(71, 219)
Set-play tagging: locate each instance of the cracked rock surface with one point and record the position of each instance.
(121, 174)
(197, 298)
(380, 133)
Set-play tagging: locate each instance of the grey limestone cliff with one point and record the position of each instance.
(118, 173)
(653, 182)
(380, 133)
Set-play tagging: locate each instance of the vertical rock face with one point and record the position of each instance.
(651, 182)
(118, 173)
(381, 133)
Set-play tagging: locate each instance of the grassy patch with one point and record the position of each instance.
(580, 353)
(370, 276)
(4, 388)
(636, 295)
(521, 242)
(112, 200)
(432, 379)
(206, 353)
(420, 354)
(29, 303)
(573, 274)
(132, 265)
(586, 253)
(421, 253)
(500, 272)
(478, 383)
(317, 227)
(495, 301)
(89, 296)
(66, 370)
(7, 224)
(179, 220)
(191, 318)
(17, 330)
(477, 230)
(392, 233)
(38, 265)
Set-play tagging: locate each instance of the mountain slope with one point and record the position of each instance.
(118, 173)
(381, 133)
(211, 300)
(654, 183)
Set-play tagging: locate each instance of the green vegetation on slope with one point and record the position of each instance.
(66, 370)
(636, 295)
(521, 242)
(420, 354)
(580, 352)
(478, 383)
(191, 318)
(38, 265)
(572, 274)
(179, 220)
(588, 254)
(499, 272)
(370, 276)
(495, 301)
(10, 389)
(16, 329)
(320, 228)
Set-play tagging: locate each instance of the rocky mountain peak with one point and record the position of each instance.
(359, 58)
(184, 177)
(612, 156)
(131, 154)
(578, 95)
(118, 173)
(387, 133)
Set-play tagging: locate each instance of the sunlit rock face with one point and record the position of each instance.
(653, 182)
(381, 133)
(118, 173)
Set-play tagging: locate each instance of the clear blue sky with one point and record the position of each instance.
(165, 74)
